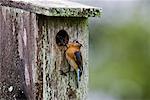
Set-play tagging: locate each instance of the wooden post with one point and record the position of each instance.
(30, 59)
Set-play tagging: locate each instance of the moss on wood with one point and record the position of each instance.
(65, 9)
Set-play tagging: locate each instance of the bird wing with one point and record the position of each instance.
(78, 59)
(71, 60)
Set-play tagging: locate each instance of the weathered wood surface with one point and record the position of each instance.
(17, 53)
(57, 86)
(30, 59)
(54, 8)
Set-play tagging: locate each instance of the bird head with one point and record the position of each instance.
(75, 43)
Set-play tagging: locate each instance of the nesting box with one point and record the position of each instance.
(32, 38)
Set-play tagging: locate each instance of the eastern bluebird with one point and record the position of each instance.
(74, 58)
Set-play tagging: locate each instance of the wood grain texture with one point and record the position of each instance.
(30, 59)
(54, 8)
(57, 86)
(16, 53)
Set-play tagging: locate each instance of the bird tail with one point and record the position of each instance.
(78, 77)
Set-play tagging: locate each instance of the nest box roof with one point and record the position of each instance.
(62, 8)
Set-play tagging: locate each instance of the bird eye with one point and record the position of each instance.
(75, 41)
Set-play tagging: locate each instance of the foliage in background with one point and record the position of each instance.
(120, 49)
(120, 59)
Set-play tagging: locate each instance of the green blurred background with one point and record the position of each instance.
(120, 50)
